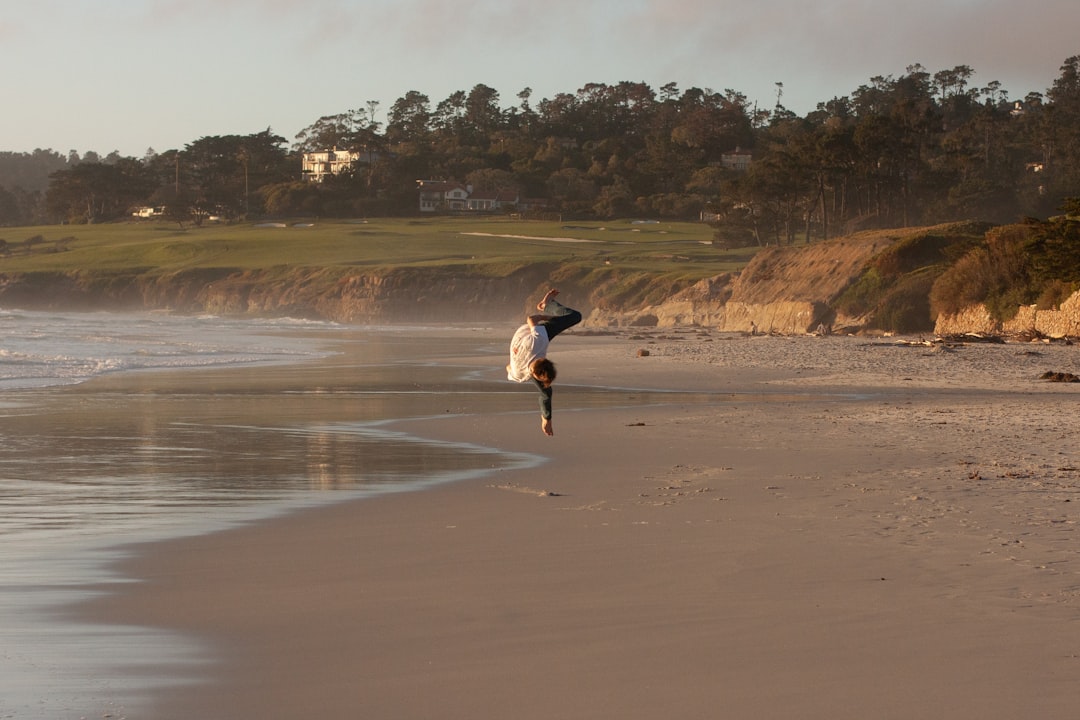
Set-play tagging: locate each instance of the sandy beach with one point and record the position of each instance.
(840, 528)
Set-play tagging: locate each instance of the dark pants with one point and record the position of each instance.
(562, 318)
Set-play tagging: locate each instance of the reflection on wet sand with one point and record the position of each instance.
(133, 457)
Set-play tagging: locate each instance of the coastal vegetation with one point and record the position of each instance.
(485, 245)
(919, 149)
(896, 280)
(632, 195)
(161, 265)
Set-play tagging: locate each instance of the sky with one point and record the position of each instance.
(134, 75)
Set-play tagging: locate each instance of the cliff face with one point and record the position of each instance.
(782, 290)
(791, 290)
(786, 290)
(408, 295)
(1060, 323)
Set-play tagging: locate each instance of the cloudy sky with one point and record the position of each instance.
(129, 75)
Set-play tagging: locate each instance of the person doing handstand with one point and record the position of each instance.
(528, 350)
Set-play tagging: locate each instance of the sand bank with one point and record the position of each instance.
(851, 530)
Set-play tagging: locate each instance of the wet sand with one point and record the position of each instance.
(851, 529)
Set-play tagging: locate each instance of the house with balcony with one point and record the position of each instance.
(436, 195)
(321, 163)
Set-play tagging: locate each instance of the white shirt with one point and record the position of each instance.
(529, 342)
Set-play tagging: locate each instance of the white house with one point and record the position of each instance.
(486, 200)
(317, 165)
(441, 195)
(148, 212)
(737, 159)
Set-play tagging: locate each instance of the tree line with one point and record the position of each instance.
(920, 148)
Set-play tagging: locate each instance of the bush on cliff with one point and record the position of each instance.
(1036, 262)
(905, 307)
(1054, 246)
(994, 274)
(893, 290)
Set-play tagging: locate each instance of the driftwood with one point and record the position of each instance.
(972, 338)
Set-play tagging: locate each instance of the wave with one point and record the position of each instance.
(41, 349)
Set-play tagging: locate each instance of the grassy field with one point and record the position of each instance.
(483, 246)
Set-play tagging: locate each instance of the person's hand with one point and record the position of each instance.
(545, 425)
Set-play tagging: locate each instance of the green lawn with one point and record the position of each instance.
(485, 246)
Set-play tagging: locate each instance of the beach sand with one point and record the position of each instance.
(851, 528)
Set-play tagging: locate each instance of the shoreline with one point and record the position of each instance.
(769, 554)
(127, 458)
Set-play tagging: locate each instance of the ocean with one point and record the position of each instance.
(117, 429)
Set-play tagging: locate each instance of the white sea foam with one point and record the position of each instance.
(40, 349)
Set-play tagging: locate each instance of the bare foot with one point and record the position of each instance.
(545, 425)
(543, 303)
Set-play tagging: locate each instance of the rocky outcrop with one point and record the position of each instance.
(1058, 323)
(783, 316)
(782, 290)
(975, 319)
(702, 304)
(790, 290)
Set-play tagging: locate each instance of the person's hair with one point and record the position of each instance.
(543, 370)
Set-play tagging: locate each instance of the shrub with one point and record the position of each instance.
(994, 274)
(729, 237)
(863, 295)
(941, 244)
(1054, 293)
(905, 308)
(962, 285)
(1054, 247)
